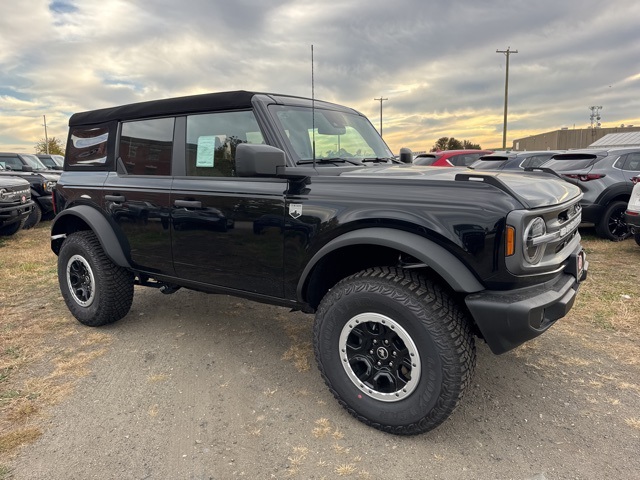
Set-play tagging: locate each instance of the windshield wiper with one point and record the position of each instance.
(377, 159)
(327, 160)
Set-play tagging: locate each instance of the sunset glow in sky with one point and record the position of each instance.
(435, 61)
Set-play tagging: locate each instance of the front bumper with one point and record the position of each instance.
(46, 203)
(15, 213)
(509, 318)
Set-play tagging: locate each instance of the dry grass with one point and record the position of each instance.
(43, 350)
(609, 301)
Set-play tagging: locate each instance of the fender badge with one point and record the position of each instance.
(295, 209)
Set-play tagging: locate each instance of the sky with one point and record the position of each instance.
(435, 61)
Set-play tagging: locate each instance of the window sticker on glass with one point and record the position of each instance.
(206, 151)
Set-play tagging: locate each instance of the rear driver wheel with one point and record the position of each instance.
(613, 224)
(96, 291)
(394, 349)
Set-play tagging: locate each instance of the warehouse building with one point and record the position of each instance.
(565, 139)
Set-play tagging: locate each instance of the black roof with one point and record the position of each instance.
(168, 106)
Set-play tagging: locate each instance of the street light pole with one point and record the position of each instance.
(380, 100)
(506, 52)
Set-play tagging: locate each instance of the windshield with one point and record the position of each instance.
(34, 162)
(337, 135)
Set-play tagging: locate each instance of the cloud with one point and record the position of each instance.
(435, 61)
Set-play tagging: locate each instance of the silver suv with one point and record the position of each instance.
(605, 177)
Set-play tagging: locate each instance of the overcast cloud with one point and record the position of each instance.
(435, 61)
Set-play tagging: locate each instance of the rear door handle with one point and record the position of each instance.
(188, 203)
(115, 198)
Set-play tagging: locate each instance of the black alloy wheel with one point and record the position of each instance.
(395, 349)
(613, 224)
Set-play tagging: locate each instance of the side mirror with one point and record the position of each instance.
(258, 160)
(406, 155)
(27, 168)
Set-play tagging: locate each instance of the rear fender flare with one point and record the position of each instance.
(96, 222)
(447, 265)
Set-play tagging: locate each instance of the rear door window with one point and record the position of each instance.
(146, 146)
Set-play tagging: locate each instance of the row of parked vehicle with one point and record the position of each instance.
(606, 177)
(26, 186)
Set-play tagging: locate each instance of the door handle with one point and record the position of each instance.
(188, 204)
(115, 198)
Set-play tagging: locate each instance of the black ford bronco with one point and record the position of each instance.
(15, 204)
(300, 203)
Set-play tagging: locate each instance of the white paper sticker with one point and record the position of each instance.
(206, 151)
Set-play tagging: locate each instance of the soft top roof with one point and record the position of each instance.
(169, 106)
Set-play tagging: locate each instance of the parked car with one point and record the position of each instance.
(632, 215)
(450, 158)
(512, 160)
(604, 175)
(42, 181)
(402, 265)
(15, 204)
(52, 162)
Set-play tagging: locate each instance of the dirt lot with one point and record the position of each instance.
(195, 386)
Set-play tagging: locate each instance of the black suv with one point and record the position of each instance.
(512, 160)
(15, 204)
(605, 176)
(52, 162)
(42, 181)
(299, 203)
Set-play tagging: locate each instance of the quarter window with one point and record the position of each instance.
(212, 139)
(146, 146)
(87, 147)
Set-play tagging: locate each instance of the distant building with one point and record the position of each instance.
(613, 140)
(565, 139)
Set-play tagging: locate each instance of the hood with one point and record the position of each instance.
(532, 189)
(13, 182)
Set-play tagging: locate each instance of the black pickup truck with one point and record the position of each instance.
(300, 203)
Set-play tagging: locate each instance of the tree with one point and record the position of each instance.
(451, 143)
(55, 146)
(467, 145)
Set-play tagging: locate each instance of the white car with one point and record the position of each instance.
(633, 210)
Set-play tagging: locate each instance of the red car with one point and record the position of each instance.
(450, 158)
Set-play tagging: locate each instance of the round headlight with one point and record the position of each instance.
(537, 228)
(2, 193)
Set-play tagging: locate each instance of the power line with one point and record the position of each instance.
(380, 100)
(506, 52)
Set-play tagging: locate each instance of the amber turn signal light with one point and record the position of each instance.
(510, 241)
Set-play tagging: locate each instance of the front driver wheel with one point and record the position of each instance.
(394, 349)
(96, 291)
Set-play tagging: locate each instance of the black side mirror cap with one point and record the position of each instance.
(406, 155)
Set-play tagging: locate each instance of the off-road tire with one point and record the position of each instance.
(636, 237)
(424, 318)
(34, 217)
(613, 225)
(96, 291)
(12, 229)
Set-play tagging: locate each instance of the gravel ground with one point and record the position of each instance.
(197, 386)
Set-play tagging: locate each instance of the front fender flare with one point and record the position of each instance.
(447, 265)
(96, 222)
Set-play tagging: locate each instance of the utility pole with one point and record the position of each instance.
(380, 100)
(506, 52)
(46, 139)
